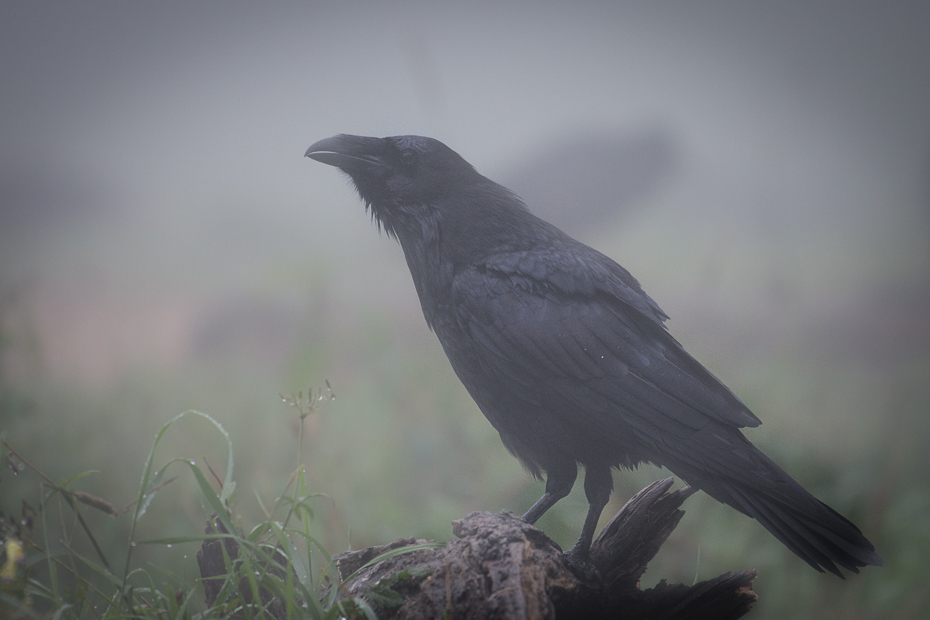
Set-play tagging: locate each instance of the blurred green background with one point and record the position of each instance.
(764, 171)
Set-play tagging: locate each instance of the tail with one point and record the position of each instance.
(762, 490)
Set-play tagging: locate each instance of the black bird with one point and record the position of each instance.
(566, 355)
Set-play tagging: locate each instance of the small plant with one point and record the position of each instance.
(267, 572)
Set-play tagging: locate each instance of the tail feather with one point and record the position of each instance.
(791, 531)
(812, 530)
(862, 551)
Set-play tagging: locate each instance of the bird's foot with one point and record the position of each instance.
(581, 568)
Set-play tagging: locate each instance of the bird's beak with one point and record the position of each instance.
(348, 153)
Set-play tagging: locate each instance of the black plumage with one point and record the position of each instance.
(566, 355)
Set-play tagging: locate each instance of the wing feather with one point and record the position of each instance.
(591, 354)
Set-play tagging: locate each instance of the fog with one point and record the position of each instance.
(162, 141)
(762, 168)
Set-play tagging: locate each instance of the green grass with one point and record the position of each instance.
(404, 451)
(46, 575)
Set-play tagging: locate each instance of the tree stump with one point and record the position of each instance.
(502, 567)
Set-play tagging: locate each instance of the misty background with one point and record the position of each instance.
(762, 169)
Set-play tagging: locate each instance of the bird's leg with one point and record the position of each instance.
(598, 484)
(559, 483)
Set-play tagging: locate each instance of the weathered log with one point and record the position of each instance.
(501, 567)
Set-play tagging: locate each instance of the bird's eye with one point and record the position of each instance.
(408, 157)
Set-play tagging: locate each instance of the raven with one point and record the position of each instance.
(566, 355)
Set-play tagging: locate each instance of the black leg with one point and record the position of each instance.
(598, 484)
(559, 481)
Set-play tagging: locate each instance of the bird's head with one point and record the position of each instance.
(399, 177)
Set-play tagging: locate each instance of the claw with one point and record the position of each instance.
(581, 568)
